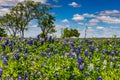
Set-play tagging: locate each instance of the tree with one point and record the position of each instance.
(70, 33)
(74, 33)
(2, 32)
(45, 20)
(23, 13)
(8, 22)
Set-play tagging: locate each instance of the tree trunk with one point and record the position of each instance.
(22, 34)
(14, 34)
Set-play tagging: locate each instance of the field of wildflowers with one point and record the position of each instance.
(59, 59)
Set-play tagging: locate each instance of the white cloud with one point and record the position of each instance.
(109, 13)
(100, 28)
(77, 17)
(94, 21)
(88, 15)
(109, 20)
(74, 4)
(80, 23)
(8, 2)
(65, 21)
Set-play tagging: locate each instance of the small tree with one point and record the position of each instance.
(45, 20)
(70, 33)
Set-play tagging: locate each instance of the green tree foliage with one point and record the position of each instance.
(23, 15)
(8, 22)
(45, 20)
(70, 33)
(2, 32)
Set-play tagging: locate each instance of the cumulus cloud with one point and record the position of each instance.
(100, 28)
(77, 17)
(74, 4)
(88, 15)
(94, 21)
(110, 13)
(65, 21)
(109, 20)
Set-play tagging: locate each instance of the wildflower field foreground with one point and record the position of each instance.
(59, 59)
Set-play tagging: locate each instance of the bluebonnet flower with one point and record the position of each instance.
(108, 52)
(49, 54)
(0, 78)
(99, 78)
(51, 39)
(25, 55)
(81, 67)
(55, 51)
(103, 51)
(90, 42)
(79, 47)
(72, 44)
(91, 54)
(16, 56)
(30, 42)
(86, 74)
(25, 74)
(42, 42)
(19, 77)
(1, 71)
(43, 54)
(77, 52)
(5, 61)
(46, 37)
(7, 56)
(38, 37)
(26, 78)
(3, 46)
(92, 48)
(80, 60)
(86, 53)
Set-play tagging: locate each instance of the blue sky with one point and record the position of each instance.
(101, 16)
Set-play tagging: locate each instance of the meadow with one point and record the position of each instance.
(59, 59)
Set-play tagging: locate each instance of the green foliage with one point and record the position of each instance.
(70, 33)
(2, 32)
